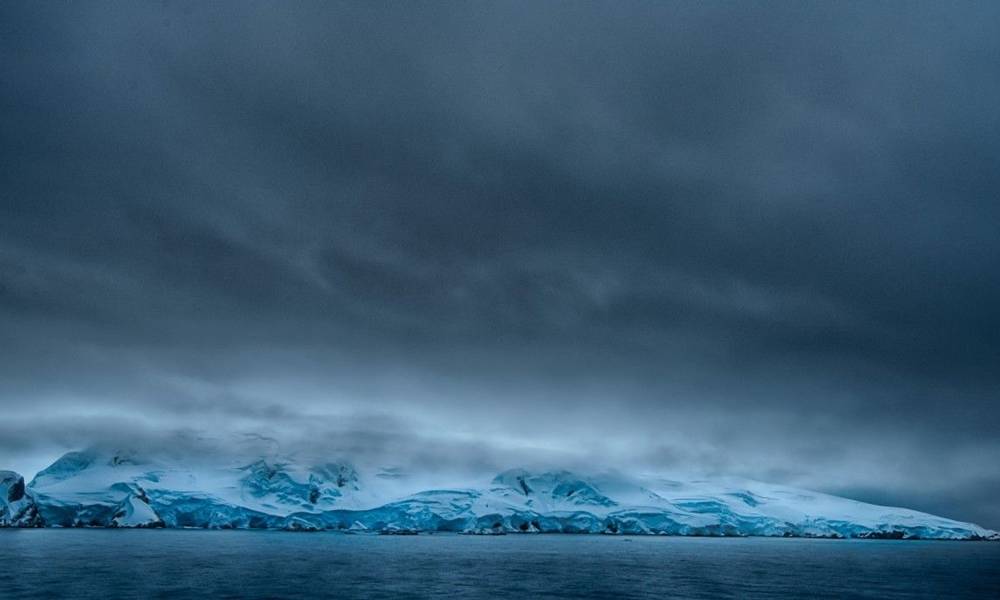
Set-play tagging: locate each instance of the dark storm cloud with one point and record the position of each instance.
(757, 239)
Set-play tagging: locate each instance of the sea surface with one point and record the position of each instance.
(52, 563)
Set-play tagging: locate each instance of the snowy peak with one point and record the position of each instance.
(554, 488)
(66, 466)
(308, 488)
(88, 462)
(343, 476)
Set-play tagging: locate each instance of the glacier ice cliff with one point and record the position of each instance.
(96, 489)
(17, 507)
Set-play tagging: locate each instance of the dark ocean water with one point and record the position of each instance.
(246, 564)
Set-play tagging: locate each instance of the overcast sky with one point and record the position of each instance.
(727, 238)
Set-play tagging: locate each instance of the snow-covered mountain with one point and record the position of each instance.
(119, 489)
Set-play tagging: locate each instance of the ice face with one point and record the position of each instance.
(135, 511)
(17, 506)
(122, 490)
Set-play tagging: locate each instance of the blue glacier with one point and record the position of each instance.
(120, 489)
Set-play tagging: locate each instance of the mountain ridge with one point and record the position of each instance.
(115, 489)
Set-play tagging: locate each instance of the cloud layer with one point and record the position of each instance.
(755, 239)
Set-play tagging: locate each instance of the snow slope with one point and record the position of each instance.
(125, 490)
